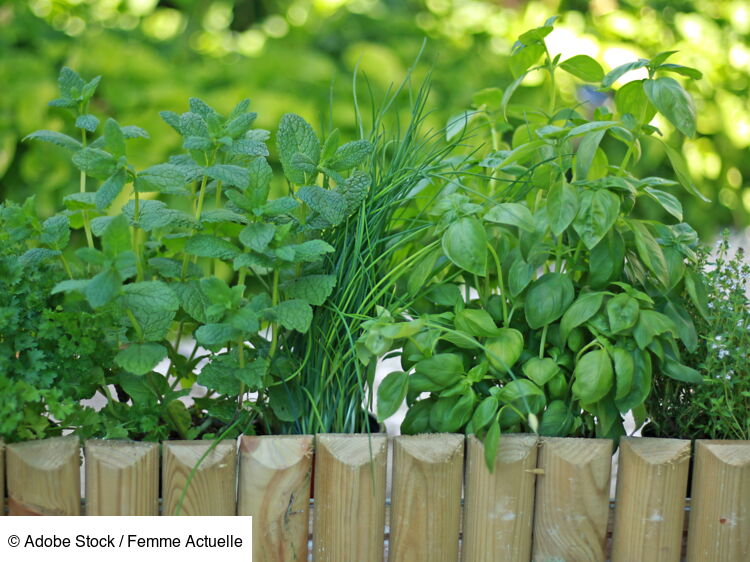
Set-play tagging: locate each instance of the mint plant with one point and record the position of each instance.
(193, 252)
(546, 303)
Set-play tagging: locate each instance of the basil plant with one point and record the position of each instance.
(546, 303)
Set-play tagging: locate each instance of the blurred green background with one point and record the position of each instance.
(299, 55)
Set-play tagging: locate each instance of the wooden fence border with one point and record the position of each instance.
(547, 498)
(719, 526)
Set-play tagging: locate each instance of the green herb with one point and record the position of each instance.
(545, 304)
(718, 408)
(192, 261)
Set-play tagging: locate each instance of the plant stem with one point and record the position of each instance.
(544, 340)
(198, 211)
(626, 158)
(136, 238)
(66, 266)
(500, 282)
(134, 322)
(84, 213)
(274, 326)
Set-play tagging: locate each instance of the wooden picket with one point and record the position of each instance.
(349, 517)
(426, 497)
(650, 500)
(122, 478)
(720, 520)
(44, 477)
(499, 506)
(274, 487)
(572, 499)
(212, 490)
(546, 499)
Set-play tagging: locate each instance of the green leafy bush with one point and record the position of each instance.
(546, 305)
(149, 264)
(52, 356)
(718, 408)
(191, 261)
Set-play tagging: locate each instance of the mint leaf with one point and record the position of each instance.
(87, 122)
(212, 335)
(330, 205)
(156, 214)
(303, 163)
(218, 292)
(280, 206)
(245, 320)
(153, 304)
(294, 315)
(252, 375)
(91, 256)
(60, 139)
(193, 125)
(56, 232)
(259, 184)
(95, 162)
(70, 83)
(220, 375)
(209, 246)
(229, 175)
(103, 288)
(114, 140)
(70, 285)
(116, 236)
(35, 256)
(239, 125)
(354, 190)
(195, 302)
(140, 358)
(349, 155)
(165, 178)
(213, 216)
(239, 109)
(295, 135)
(257, 236)
(77, 201)
(134, 132)
(248, 147)
(311, 251)
(110, 189)
(313, 289)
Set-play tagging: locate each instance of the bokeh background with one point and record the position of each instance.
(300, 55)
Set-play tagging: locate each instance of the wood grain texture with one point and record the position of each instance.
(426, 497)
(572, 499)
(213, 488)
(122, 478)
(274, 487)
(650, 502)
(349, 521)
(719, 528)
(44, 477)
(499, 506)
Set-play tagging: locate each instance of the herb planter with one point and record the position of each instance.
(545, 498)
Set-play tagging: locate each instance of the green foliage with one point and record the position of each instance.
(718, 306)
(552, 307)
(220, 261)
(287, 53)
